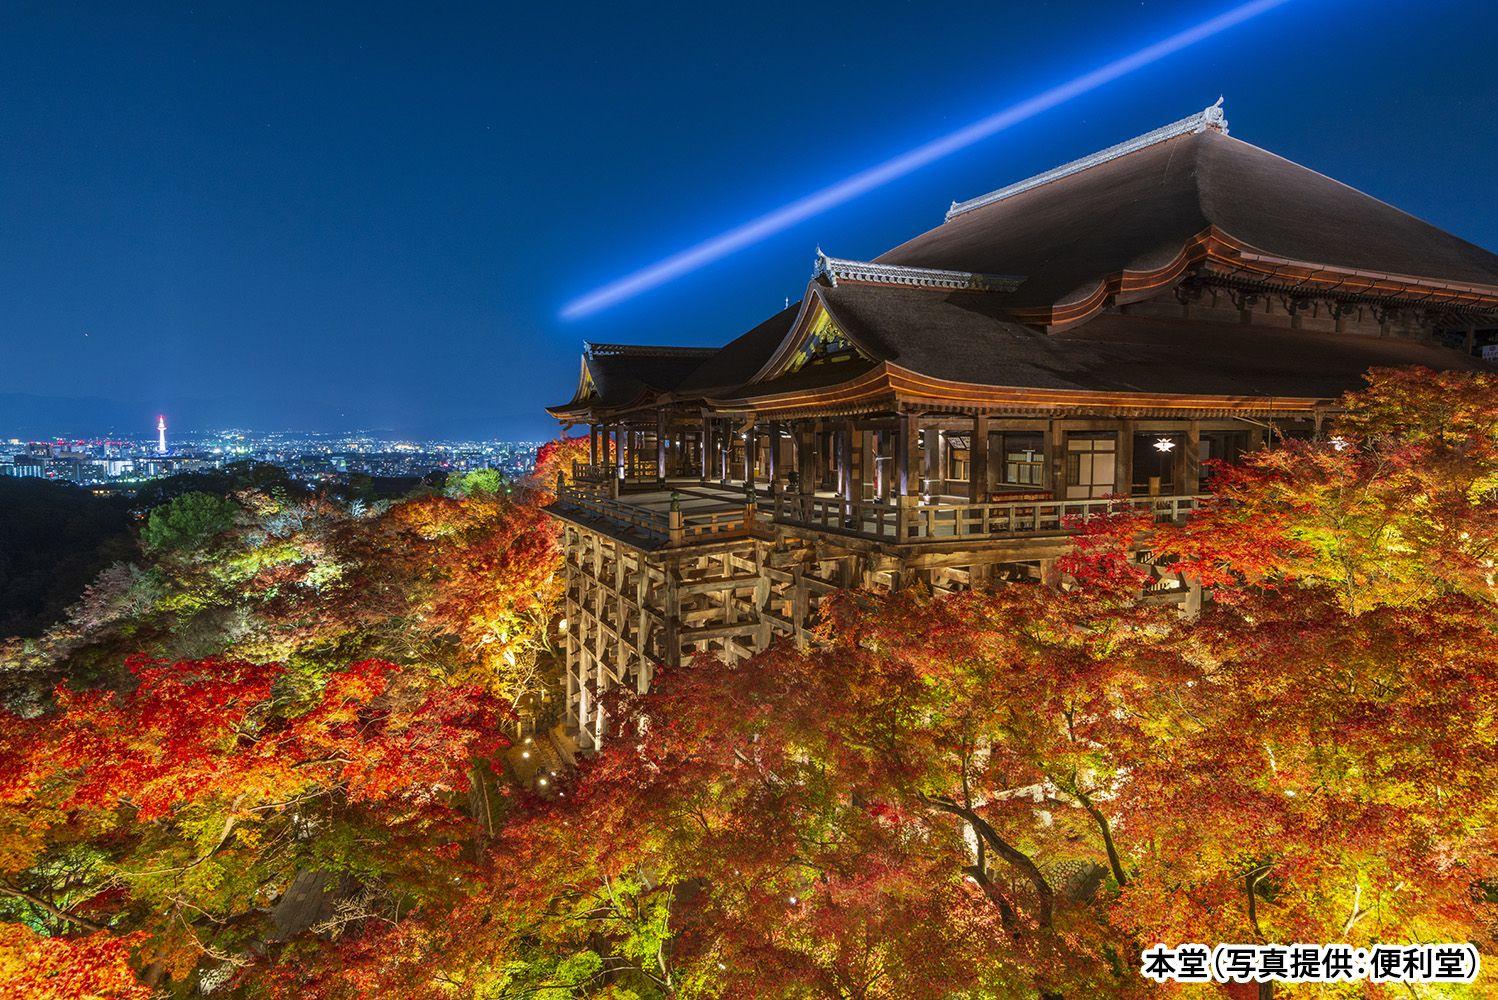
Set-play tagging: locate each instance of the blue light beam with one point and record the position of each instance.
(860, 183)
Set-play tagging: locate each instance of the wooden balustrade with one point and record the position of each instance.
(623, 513)
(641, 470)
(673, 527)
(882, 522)
(975, 521)
(590, 472)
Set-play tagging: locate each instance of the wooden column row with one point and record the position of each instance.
(629, 611)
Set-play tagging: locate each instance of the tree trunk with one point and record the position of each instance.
(1017, 858)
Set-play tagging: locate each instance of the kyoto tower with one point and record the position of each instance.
(160, 435)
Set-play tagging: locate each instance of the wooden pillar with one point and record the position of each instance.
(847, 483)
(824, 446)
(1176, 458)
(1055, 451)
(931, 461)
(978, 459)
(671, 609)
(642, 628)
(800, 604)
(805, 433)
(1191, 459)
(907, 479)
(772, 471)
(660, 445)
(839, 461)
(592, 444)
(707, 447)
(1193, 606)
(793, 449)
(618, 461)
(725, 449)
(1123, 473)
(750, 439)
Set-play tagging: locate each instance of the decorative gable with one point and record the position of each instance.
(814, 340)
(586, 387)
(824, 344)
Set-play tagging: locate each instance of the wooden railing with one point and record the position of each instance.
(590, 472)
(705, 525)
(671, 527)
(640, 471)
(641, 468)
(882, 522)
(870, 520)
(974, 521)
(640, 520)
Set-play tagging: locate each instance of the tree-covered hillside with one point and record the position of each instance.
(280, 762)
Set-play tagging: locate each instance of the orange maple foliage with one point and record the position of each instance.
(210, 783)
(1397, 504)
(93, 967)
(1002, 792)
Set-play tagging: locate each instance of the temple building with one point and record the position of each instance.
(1087, 339)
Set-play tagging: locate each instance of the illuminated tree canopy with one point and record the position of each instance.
(1000, 792)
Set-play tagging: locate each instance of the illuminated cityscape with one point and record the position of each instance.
(308, 457)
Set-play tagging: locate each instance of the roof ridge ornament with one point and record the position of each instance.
(1212, 117)
(840, 268)
(592, 349)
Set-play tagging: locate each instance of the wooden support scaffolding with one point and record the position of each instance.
(630, 611)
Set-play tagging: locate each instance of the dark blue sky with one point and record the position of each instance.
(370, 214)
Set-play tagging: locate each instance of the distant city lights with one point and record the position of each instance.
(312, 458)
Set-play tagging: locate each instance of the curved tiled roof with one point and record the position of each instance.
(1137, 212)
(624, 373)
(741, 357)
(1125, 222)
(920, 331)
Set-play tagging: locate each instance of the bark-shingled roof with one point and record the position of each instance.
(1137, 212)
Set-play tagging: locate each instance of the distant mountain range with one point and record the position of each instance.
(32, 416)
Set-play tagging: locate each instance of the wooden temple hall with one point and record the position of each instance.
(1083, 339)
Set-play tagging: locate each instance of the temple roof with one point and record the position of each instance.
(1137, 211)
(1209, 118)
(960, 337)
(615, 375)
(736, 362)
(1013, 289)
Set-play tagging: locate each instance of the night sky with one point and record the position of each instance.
(335, 216)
